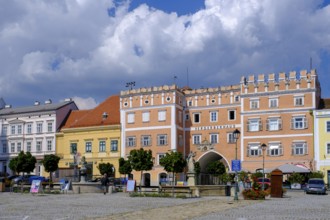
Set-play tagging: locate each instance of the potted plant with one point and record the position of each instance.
(296, 180)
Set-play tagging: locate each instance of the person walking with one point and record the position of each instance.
(104, 183)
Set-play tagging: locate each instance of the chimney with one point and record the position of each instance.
(36, 103)
(49, 101)
(7, 106)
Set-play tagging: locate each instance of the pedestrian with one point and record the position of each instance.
(104, 183)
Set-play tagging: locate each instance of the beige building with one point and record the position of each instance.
(272, 109)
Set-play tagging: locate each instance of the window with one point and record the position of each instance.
(189, 103)
(231, 115)
(102, 146)
(38, 146)
(19, 147)
(213, 116)
(4, 147)
(114, 145)
(130, 142)
(214, 138)
(236, 98)
(299, 148)
(196, 118)
(12, 147)
(197, 139)
(254, 125)
(4, 130)
(328, 126)
(254, 150)
(328, 148)
(73, 148)
(274, 124)
(130, 118)
(273, 103)
(180, 140)
(29, 128)
(39, 128)
(254, 104)
(162, 115)
(298, 101)
(50, 127)
(162, 139)
(88, 147)
(187, 117)
(160, 156)
(145, 140)
(230, 138)
(49, 145)
(28, 146)
(299, 122)
(19, 129)
(275, 149)
(145, 116)
(13, 129)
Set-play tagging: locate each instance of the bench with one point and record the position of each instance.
(176, 190)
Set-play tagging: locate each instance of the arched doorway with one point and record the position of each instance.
(204, 178)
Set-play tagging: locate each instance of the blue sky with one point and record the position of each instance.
(89, 50)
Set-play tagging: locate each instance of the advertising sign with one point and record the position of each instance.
(236, 165)
(35, 186)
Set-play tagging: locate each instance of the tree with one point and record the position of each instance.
(25, 162)
(216, 168)
(173, 162)
(50, 163)
(125, 167)
(317, 174)
(13, 165)
(107, 168)
(141, 160)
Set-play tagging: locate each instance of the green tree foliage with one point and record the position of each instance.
(25, 163)
(50, 163)
(173, 162)
(296, 178)
(317, 174)
(125, 167)
(216, 168)
(141, 160)
(13, 165)
(197, 168)
(107, 168)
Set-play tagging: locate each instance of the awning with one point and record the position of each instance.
(290, 168)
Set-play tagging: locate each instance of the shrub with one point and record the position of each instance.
(252, 194)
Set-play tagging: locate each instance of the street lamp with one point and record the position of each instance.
(236, 134)
(263, 147)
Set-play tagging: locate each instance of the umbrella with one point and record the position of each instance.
(290, 168)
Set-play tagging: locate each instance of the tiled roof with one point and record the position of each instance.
(34, 108)
(94, 117)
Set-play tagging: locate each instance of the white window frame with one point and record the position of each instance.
(196, 138)
(275, 149)
(12, 147)
(254, 150)
(145, 116)
(162, 139)
(229, 115)
(214, 138)
(19, 129)
(29, 128)
(162, 115)
(49, 126)
(273, 102)
(4, 130)
(38, 146)
(102, 146)
(88, 147)
(131, 141)
(254, 124)
(274, 124)
(39, 127)
(299, 148)
(230, 138)
(19, 147)
(197, 118)
(13, 129)
(146, 140)
(213, 116)
(114, 145)
(254, 104)
(189, 103)
(299, 101)
(49, 145)
(299, 122)
(130, 118)
(28, 146)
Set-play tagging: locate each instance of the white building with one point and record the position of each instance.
(31, 129)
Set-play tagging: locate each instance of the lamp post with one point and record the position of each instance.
(236, 134)
(263, 147)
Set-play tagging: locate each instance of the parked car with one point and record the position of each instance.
(41, 178)
(27, 179)
(316, 185)
(265, 181)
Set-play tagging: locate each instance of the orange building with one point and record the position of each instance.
(271, 110)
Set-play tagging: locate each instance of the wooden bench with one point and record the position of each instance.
(176, 190)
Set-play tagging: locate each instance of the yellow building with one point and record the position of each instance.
(93, 134)
(322, 139)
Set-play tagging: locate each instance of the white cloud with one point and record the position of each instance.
(73, 48)
(85, 103)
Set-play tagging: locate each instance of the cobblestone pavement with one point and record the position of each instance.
(296, 205)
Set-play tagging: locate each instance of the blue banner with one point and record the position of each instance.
(236, 165)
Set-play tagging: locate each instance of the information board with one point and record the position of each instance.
(130, 186)
(35, 186)
(236, 165)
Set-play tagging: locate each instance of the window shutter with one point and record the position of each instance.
(292, 149)
(305, 123)
(248, 126)
(280, 124)
(259, 152)
(260, 125)
(292, 123)
(305, 148)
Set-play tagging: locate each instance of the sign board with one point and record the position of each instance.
(130, 186)
(236, 165)
(35, 186)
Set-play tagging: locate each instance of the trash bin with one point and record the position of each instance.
(227, 190)
(2, 184)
